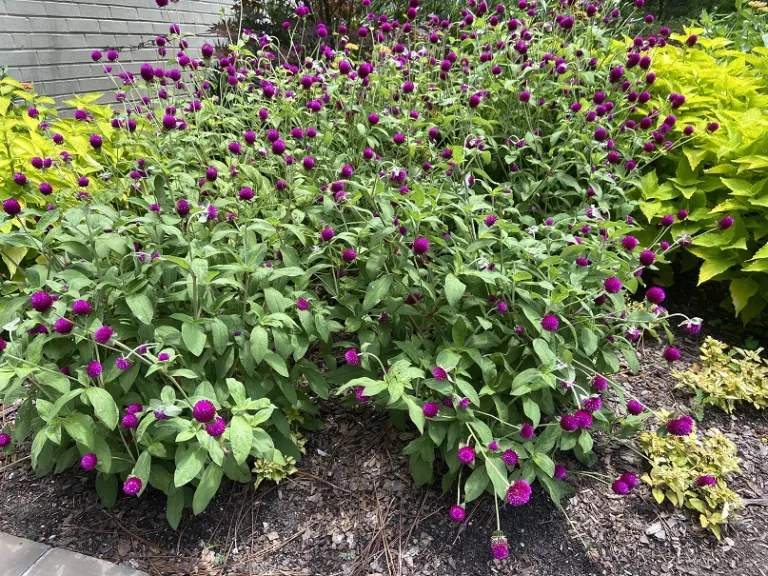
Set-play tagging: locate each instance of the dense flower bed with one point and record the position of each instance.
(434, 220)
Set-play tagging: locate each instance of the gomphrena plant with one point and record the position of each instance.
(727, 377)
(433, 219)
(691, 471)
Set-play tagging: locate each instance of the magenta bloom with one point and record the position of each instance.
(216, 428)
(129, 421)
(671, 354)
(308, 163)
(245, 193)
(41, 301)
(421, 245)
(593, 404)
(122, 364)
(466, 454)
(132, 486)
(583, 419)
(620, 488)
(612, 285)
(599, 384)
(349, 255)
(490, 220)
(519, 493)
(63, 326)
(629, 479)
(430, 409)
(725, 223)
(569, 423)
(499, 547)
(81, 307)
(302, 304)
(457, 513)
(134, 408)
(702, 481)
(629, 242)
(634, 407)
(203, 411)
(681, 426)
(526, 431)
(439, 373)
(667, 220)
(550, 323)
(11, 206)
(560, 472)
(103, 335)
(93, 370)
(647, 257)
(89, 461)
(359, 396)
(327, 234)
(5, 440)
(655, 295)
(352, 357)
(509, 457)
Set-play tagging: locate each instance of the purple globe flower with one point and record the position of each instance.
(63, 326)
(612, 285)
(96, 141)
(526, 431)
(203, 411)
(560, 472)
(327, 234)
(94, 369)
(630, 480)
(510, 458)
(593, 404)
(302, 304)
(490, 220)
(211, 174)
(182, 207)
(671, 354)
(655, 295)
(89, 461)
(430, 409)
(5, 440)
(457, 513)
(103, 335)
(352, 357)
(620, 488)
(359, 396)
(169, 122)
(702, 481)
(81, 307)
(132, 486)
(499, 547)
(246, 193)
(11, 206)
(349, 255)
(569, 423)
(519, 493)
(134, 408)
(634, 407)
(667, 220)
(725, 223)
(439, 373)
(308, 163)
(681, 426)
(466, 454)
(421, 245)
(217, 428)
(692, 327)
(629, 242)
(583, 419)
(599, 384)
(129, 421)
(550, 323)
(647, 257)
(41, 301)
(122, 364)
(19, 179)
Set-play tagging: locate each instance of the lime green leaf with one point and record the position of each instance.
(742, 289)
(713, 267)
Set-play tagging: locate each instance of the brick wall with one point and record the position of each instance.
(49, 42)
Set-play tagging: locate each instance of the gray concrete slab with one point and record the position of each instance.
(18, 554)
(59, 562)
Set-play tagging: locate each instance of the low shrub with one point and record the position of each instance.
(691, 471)
(436, 219)
(717, 177)
(726, 377)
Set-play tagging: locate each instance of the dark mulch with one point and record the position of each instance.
(353, 510)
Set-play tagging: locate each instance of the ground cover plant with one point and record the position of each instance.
(435, 220)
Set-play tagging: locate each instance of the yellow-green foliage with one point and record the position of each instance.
(678, 461)
(727, 377)
(22, 138)
(720, 173)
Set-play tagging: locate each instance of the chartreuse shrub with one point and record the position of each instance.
(727, 377)
(44, 158)
(437, 222)
(717, 180)
(691, 471)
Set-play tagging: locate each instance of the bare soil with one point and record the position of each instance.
(352, 510)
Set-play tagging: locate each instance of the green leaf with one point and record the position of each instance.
(376, 291)
(193, 337)
(188, 464)
(174, 508)
(106, 488)
(220, 335)
(742, 289)
(531, 409)
(259, 343)
(712, 267)
(545, 463)
(585, 441)
(277, 363)
(416, 413)
(454, 290)
(103, 406)
(588, 341)
(140, 307)
(557, 489)
(544, 352)
(241, 438)
(80, 428)
(142, 468)
(476, 484)
(497, 472)
(206, 490)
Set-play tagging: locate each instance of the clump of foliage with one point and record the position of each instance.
(717, 178)
(691, 471)
(436, 221)
(727, 377)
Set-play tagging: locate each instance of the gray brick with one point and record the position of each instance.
(124, 13)
(18, 59)
(15, 24)
(23, 8)
(83, 25)
(49, 25)
(62, 9)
